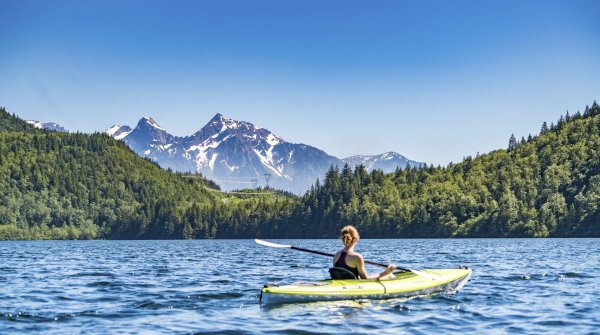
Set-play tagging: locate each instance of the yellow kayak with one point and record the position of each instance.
(406, 284)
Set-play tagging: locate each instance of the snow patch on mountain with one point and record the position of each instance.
(118, 132)
(46, 125)
(150, 121)
(237, 153)
(387, 162)
(211, 163)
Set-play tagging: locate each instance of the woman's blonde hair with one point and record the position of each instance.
(350, 235)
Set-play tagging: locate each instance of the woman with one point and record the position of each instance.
(349, 259)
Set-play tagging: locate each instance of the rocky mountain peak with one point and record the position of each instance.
(237, 154)
(148, 122)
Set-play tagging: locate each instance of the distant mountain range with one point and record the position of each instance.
(237, 154)
(46, 125)
(387, 162)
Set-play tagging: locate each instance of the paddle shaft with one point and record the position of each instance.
(276, 245)
(332, 255)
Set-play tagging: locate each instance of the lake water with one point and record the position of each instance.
(519, 286)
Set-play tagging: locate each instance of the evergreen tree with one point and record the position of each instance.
(544, 128)
(512, 142)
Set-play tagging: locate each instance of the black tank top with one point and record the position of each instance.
(341, 263)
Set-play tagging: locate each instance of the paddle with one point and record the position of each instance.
(276, 245)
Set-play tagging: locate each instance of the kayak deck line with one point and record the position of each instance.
(406, 284)
(384, 288)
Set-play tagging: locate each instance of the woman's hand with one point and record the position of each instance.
(390, 268)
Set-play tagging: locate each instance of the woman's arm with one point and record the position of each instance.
(335, 258)
(362, 271)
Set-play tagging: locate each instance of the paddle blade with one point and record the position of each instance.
(271, 244)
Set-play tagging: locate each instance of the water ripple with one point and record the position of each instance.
(526, 286)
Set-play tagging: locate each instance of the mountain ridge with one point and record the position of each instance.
(238, 154)
(46, 125)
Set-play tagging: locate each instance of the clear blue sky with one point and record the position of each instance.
(433, 80)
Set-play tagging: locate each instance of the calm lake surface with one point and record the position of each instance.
(519, 286)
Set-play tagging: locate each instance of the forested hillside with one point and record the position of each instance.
(76, 186)
(547, 185)
(9, 122)
(70, 185)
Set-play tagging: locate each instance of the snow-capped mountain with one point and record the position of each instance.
(149, 139)
(46, 125)
(386, 162)
(237, 154)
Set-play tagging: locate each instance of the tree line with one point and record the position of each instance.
(56, 185)
(545, 185)
(75, 186)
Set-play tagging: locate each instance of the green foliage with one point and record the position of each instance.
(10, 122)
(76, 186)
(512, 142)
(544, 186)
(62, 180)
